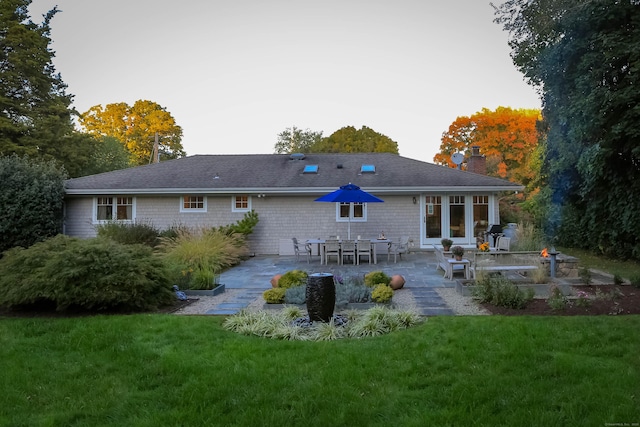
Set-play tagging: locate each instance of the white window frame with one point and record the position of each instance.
(192, 210)
(234, 200)
(353, 219)
(114, 204)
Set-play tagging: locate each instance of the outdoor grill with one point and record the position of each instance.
(494, 230)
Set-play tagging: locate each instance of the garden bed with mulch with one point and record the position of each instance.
(597, 300)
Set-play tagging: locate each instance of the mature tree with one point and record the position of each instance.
(31, 196)
(505, 136)
(352, 140)
(295, 140)
(35, 114)
(136, 127)
(583, 55)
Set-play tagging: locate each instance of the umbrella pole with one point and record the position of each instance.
(349, 223)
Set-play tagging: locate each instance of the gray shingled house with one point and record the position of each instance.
(422, 201)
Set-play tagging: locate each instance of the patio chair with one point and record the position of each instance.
(348, 249)
(299, 251)
(363, 248)
(332, 248)
(397, 249)
(503, 243)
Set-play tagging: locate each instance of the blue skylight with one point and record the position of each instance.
(368, 169)
(310, 169)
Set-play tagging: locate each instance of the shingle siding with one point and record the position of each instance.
(288, 208)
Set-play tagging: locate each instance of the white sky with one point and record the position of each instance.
(235, 73)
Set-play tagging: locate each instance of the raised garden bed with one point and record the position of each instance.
(209, 292)
(466, 287)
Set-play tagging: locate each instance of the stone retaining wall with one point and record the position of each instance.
(566, 266)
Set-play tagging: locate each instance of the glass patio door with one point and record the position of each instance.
(433, 218)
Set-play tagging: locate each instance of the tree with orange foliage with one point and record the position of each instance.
(508, 138)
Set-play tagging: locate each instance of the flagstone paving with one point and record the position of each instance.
(252, 278)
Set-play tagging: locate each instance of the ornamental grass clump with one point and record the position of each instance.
(202, 252)
(283, 325)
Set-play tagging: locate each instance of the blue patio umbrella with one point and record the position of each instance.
(351, 194)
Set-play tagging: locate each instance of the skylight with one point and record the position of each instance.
(368, 169)
(310, 169)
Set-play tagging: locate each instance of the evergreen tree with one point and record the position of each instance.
(583, 56)
(35, 114)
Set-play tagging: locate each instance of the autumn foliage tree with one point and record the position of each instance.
(507, 137)
(135, 127)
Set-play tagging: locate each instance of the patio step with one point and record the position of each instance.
(429, 303)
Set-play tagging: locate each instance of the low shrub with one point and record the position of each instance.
(142, 233)
(557, 300)
(274, 295)
(352, 291)
(293, 278)
(243, 227)
(86, 274)
(375, 278)
(295, 295)
(617, 279)
(635, 280)
(382, 293)
(583, 299)
(585, 275)
(500, 291)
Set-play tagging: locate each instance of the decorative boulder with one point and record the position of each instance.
(275, 279)
(397, 282)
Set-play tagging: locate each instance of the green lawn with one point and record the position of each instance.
(626, 269)
(163, 370)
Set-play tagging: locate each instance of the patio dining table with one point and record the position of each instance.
(321, 247)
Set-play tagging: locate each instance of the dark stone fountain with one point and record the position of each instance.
(321, 297)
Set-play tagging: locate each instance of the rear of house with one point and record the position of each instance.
(422, 201)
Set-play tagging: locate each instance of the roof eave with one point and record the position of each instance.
(288, 191)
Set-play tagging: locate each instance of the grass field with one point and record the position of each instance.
(163, 370)
(627, 269)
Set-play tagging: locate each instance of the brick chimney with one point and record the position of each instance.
(477, 163)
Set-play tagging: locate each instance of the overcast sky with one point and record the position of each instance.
(236, 73)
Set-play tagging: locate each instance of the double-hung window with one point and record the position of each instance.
(355, 212)
(114, 208)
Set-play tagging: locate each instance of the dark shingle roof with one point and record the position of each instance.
(280, 173)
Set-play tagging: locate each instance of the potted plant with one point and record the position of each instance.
(457, 252)
(446, 243)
